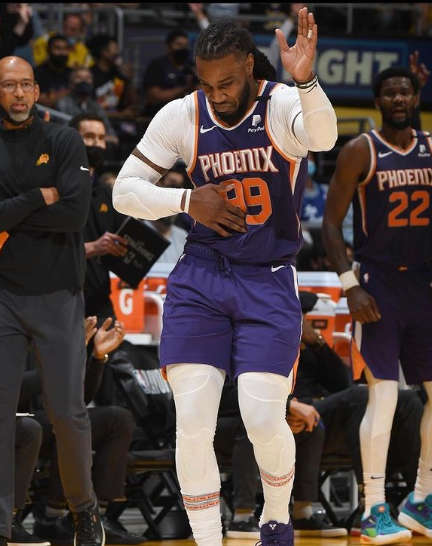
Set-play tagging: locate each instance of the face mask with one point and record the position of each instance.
(72, 41)
(59, 61)
(311, 168)
(5, 115)
(180, 55)
(95, 155)
(83, 88)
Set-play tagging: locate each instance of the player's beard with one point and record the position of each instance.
(400, 124)
(231, 118)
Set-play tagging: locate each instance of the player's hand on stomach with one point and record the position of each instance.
(209, 207)
(362, 305)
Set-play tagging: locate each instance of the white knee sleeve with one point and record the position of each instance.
(262, 399)
(197, 390)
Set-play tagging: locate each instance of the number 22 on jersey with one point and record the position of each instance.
(408, 208)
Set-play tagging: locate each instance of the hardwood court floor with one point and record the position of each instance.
(345, 541)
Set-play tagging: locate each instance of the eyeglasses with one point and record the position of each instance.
(10, 86)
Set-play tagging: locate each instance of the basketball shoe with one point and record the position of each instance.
(417, 516)
(380, 528)
(277, 534)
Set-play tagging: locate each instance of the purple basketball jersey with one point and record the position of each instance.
(268, 185)
(392, 207)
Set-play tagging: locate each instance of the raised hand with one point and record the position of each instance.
(298, 60)
(419, 69)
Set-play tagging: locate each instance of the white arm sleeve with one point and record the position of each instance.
(316, 127)
(302, 120)
(135, 193)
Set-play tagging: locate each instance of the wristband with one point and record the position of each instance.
(348, 280)
(187, 200)
(312, 81)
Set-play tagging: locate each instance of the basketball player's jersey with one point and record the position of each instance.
(393, 205)
(268, 184)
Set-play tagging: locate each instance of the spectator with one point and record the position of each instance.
(16, 27)
(53, 75)
(112, 80)
(80, 100)
(171, 76)
(103, 221)
(73, 29)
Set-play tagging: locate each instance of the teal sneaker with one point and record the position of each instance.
(417, 516)
(380, 528)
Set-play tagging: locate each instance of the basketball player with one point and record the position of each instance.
(232, 306)
(388, 174)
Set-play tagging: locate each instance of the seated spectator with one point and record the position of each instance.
(112, 429)
(113, 84)
(80, 100)
(171, 76)
(73, 29)
(53, 75)
(16, 28)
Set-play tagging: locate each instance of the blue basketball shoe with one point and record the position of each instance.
(417, 516)
(380, 528)
(277, 534)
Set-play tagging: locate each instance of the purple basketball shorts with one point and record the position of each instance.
(239, 318)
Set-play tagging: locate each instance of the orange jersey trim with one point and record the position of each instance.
(4, 236)
(195, 149)
(357, 361)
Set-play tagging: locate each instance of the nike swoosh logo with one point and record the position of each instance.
(377, 477)
(380, 154)
(84, 169)
(273, 269)
(202, 130)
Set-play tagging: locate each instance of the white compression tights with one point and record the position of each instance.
(423, 486)
(375, 432)
(197, 389)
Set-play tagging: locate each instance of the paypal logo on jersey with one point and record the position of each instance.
(255, 120)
